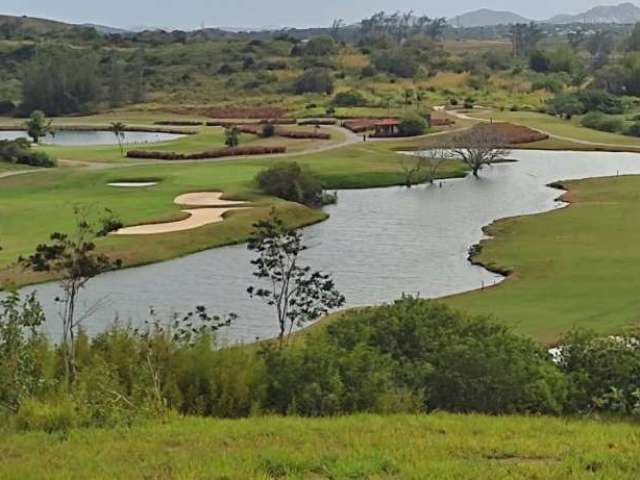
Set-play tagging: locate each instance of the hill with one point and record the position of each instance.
(486, 18)
(624, 13)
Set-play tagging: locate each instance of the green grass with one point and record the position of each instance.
(33, 206)
(438, 446)
(582, 271)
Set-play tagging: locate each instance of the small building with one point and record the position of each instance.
(386, 128)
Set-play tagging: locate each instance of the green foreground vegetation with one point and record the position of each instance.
(411, 447)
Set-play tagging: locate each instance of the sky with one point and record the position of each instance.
(189, 14)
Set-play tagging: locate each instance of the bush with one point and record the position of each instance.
(413, 355)
(54, 416)
(268, 130)
(351, 98)
(398, 62)
(314, 80)
(290, 182)
(603, 373)
(321, 46)
(368, 71)
(633, 129)
(412, 126)
(19, 151)
(602, 122)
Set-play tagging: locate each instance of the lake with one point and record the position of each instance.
(378, 244)
(80, 138)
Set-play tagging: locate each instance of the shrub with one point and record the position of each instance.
(368, 71)
(469, 103)
(54, 416)
(397, 62)
(412, 126)
(19, 151)
(602, 122)
(539, 61)
(424, 352)
(314, 80)
(268, 130)
(550, 83)
(287, 180)
(351, 98)
(634, 129)
(321, 46)
(597, 367)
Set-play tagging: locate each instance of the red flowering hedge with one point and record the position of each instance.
(218, 153)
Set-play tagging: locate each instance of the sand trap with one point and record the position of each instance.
(132, 184)
(205, 199)
(199, 217)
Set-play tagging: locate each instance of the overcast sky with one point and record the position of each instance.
(187, 14)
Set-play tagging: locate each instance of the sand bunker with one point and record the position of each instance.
(132, 184)
(205, 199)
(214, 213)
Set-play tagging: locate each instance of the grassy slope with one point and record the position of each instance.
(437, 446)
(583, 270)
(33, 206)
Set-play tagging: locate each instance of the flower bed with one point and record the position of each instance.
(515, 134)
(317, 122)
(221, 152)
(180, 123)
(256, 129)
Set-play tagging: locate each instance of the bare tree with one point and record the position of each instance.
(298, 294)
(429, 162)
(481, 145)
(74, 258)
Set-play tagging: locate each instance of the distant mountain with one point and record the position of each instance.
(621, 14)
(486, 18)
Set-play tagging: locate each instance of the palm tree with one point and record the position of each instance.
(119, 129)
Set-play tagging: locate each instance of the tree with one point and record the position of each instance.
(61, 80)
(74, 258)
(117, 83)
(481, 145)
(289, 181)
(119, 129)
(412, 125)
(232, 136)
(525, 37)
(633, 43)
(320, 46)
(336, 26)
(298, 294)
(431, 162)
(137, 78)
(38, 126)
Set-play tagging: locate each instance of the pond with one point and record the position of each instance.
(378, 244)
(80, 138)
